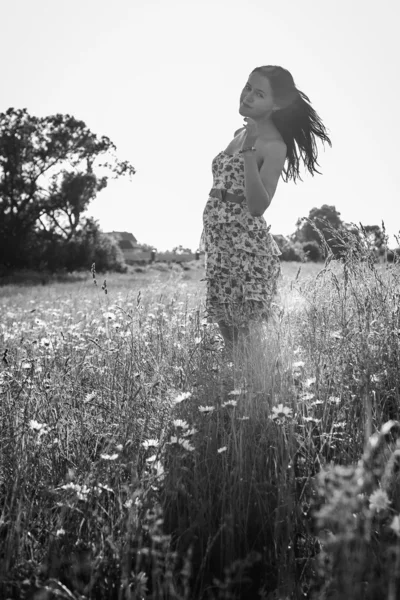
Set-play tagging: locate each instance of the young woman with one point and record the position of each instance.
(241, 256)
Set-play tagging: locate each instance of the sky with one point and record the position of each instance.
(162, 79)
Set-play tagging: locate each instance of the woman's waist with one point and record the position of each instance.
(227, 196)
(219, 238)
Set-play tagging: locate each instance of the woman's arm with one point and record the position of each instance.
(261, 184)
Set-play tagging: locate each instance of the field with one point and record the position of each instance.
(137, 462)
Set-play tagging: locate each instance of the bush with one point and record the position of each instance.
(91, 245)
(291, 251)
(312, 251)
(108, 256)
(393, 255)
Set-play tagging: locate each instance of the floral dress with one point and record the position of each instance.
(241, 256)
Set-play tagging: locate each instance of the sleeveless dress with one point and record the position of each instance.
(241, 256)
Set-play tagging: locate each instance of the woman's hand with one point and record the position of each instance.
(251, 132)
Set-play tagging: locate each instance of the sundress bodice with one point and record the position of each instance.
(228, 173)
(251, 233)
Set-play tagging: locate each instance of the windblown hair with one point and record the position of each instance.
(297, 122)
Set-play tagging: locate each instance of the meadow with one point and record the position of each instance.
(138, 463)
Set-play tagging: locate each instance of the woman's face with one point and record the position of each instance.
(256, 99)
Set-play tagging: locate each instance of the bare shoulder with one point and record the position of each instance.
(273, 149)
(238, 131)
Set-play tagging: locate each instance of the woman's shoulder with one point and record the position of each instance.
(274, 144)
(238, 131)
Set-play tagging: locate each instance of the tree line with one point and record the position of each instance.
(52, 167)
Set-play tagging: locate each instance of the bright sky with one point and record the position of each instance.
(162, 79)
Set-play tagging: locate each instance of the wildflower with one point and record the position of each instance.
(386, 427)
(180, 423)
(150, 444)
(119, 447)
(334, 399)
(373, 440)
(151, 458)
(299, 364)
(223, 449)
(395, 525)
(186, 445)
(182, 397)
(27, 365)
(158, 470)
(82, 491)
(310, 381)
(336, 335)
(197, 340)
(45, 342)
(60, 532)
(311, 420)
(379, 500)
(376, 378)
(229, 403)
(101, 486)
(235, 393)
(109, 316)
(89, 397)
(206, 409)
(281, 411)
(307, 396)
(109, 456)
(189, 432)
(35, 425)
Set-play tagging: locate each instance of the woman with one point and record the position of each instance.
(241, 256)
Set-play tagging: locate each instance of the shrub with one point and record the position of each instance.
(90, 246)
(312, 251)
(291, 251)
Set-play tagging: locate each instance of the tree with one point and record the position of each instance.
(312, 251)
(291, 251)
(326, 219)
(375, 236)
(51, 168)
(181, 250)
(305, 232)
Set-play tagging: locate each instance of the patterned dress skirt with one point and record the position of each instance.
(242, 269)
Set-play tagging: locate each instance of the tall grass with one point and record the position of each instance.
(136, 462)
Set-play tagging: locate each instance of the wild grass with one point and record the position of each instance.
(136, 462)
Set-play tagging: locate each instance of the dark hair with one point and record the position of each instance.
(296, 120)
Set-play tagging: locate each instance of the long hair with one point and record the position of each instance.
(297, 122)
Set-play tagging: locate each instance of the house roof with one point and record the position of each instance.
(123, 235)
(126, 244)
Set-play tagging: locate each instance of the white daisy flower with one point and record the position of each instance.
(206, 409)
(281, 411)
(180, 423)
(150, 444)
(182, 397)
(229, 403)
(109, 456)
(379, 500)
